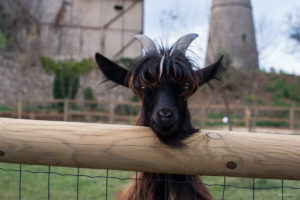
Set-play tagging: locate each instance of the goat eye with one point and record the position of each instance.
(186, 85)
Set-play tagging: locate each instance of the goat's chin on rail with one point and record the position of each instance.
(164, 131)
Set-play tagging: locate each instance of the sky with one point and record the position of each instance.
(166, 20)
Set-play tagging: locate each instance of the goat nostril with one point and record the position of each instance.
(165, 113)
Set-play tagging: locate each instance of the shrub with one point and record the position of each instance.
(65, 85)
(3, 41)
(282, 89)
(66, 81)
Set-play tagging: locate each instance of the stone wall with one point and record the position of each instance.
(29, 83)
(32, 82)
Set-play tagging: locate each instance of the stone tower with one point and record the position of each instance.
(232, 33)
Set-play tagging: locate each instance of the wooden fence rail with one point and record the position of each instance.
(123, 147)
(66, 115)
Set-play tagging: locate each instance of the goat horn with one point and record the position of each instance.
(147, 44)
(183, 43)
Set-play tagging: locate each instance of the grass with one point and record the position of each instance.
(35, 185)
(241, 188)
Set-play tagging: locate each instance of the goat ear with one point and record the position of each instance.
(111, 70)
(211, 72)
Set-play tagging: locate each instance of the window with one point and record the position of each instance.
(118, 7)
(244, 37)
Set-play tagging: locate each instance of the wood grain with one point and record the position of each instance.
(123, 147)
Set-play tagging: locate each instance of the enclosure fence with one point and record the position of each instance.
(131, 148)
(126, 111)
(222, 187)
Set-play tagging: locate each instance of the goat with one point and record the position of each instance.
(164, 79)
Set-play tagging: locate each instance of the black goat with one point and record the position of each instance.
(164, 79)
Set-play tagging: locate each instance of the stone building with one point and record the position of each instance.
(232, 33)
(78, 28)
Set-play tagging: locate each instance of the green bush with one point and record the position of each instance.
(66, 84)
(3, 41)
(66, 81)
(283, 90)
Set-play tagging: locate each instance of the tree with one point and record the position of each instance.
(294, 29)
(265, 39)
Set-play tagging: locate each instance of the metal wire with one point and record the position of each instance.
(49, 172)
(20, 182)
(77, 185)
(136, 179)
(223, 194)
(253, 188)
(136, 185)
(130, 178)
(282, 188)
(106, 185)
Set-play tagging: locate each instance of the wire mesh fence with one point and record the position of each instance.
(19, 181)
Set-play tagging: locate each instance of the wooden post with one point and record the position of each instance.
(248, 117)
(253, 122)
(111, 112)
(203, 117)
(19, 108)
(136, 148)
(66, 109)
(292, 116)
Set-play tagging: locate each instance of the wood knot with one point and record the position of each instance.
(214, 136)
(231, 165)
(2, 153)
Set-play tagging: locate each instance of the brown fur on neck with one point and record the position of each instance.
(150, 186)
